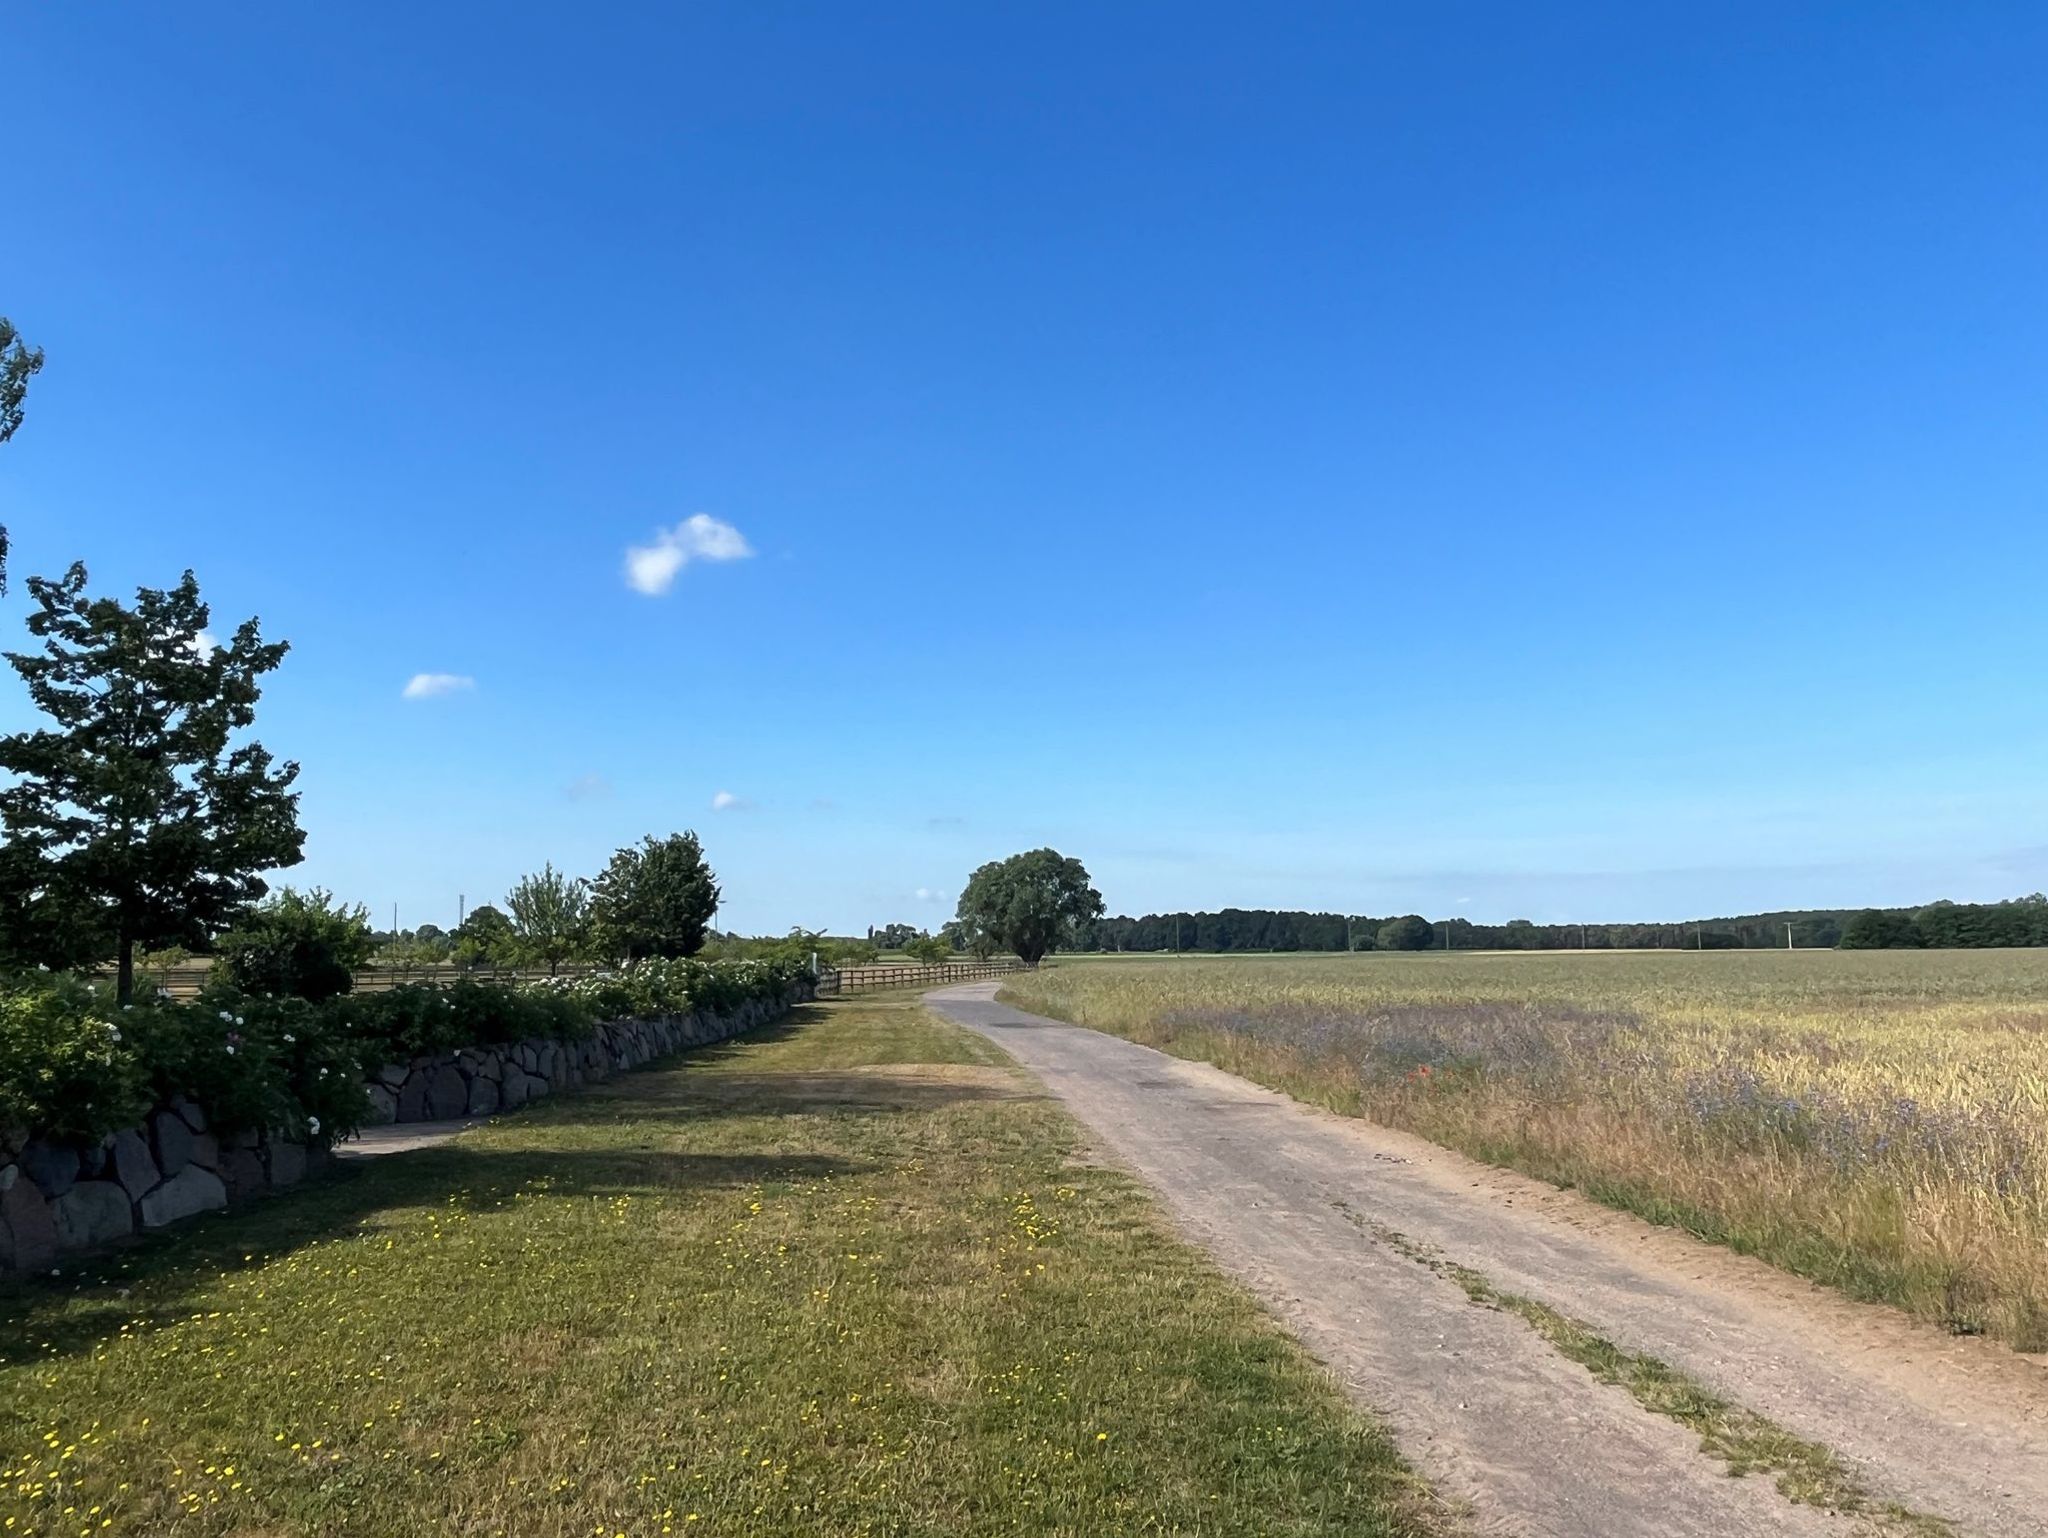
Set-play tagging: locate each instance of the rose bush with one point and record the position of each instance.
(67, 1066)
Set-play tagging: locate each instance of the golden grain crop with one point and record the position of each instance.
(1875, 1120)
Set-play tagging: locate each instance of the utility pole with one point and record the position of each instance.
(1788, 935)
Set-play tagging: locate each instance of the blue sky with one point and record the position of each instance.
(1563, 462)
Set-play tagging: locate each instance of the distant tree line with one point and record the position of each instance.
(1947, 925)
(2021, 921)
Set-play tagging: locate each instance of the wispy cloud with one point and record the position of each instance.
(726, 801)
(652, 569)
(588, 787)
(205, 644)
(431, 686)
(925, 894)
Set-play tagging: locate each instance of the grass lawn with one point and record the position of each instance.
(844, 1276)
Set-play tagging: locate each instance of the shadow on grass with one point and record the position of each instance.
(160, 1276)
(791, 1024)
(824, 1091)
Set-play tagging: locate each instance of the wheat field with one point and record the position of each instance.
(1877, 1121)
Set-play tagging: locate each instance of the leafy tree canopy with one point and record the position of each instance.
(550, 916)
(1880, 929)
(655, 898)
(298, 944)
(1030, 903)
(18, 363)
(485, 937)
(1411, 932)
(929, 949)
(133, 820)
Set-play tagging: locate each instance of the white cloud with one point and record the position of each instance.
(926, 895)
(588, 787)
(205, 644)
(652, 569)
(428, 686)
(726, 801)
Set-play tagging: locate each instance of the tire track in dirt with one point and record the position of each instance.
(1484, 1406)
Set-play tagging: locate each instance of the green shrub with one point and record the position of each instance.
(67, 1068)
(932, 950)
(72, 1065)
(208, 1053)
(322, 1066)
(299, 944)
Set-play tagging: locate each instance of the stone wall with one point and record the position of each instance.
(59, 1200)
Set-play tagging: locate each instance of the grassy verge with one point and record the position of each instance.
(844, 1276)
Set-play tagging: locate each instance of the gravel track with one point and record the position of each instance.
(1288, 1198)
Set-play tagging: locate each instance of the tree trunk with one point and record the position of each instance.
(124, 976)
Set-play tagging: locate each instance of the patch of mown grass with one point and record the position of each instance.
(844, 1276)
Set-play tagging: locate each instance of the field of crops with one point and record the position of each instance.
(1874, 1120)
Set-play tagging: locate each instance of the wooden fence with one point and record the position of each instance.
(186, 979)
(843, 980)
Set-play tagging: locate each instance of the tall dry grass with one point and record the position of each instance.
(1877, 1121)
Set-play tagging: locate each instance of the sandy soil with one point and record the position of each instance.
(1286, 1198)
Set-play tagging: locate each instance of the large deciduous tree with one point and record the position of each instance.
(550, 916)
(18, 363)
(1411, 932)
(1030, 903)
(1881, 929)
(485, 938)
(136, 820)
(655, 898)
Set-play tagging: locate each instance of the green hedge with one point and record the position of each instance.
(75, 1065)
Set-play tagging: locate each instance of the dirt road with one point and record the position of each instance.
(1320, 1215)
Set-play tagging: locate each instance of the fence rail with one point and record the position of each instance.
(842, 980)
(186, 979)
